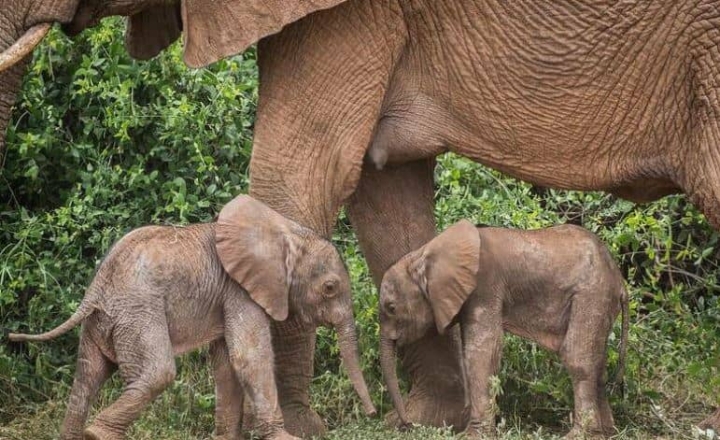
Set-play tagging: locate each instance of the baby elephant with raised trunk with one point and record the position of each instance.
(165, 290)
(557, 286)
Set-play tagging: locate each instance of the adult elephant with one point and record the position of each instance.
(358, 97)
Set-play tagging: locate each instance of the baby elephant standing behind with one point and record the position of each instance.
(162, 291)
(557, 286)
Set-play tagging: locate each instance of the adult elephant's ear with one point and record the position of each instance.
(446, 270)
(258, 249)
(152, 30)
(215, 29)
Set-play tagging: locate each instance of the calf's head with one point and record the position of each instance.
(424, 289)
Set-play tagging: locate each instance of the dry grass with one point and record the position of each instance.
(185, 412)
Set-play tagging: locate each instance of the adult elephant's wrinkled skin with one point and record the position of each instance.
(358, 97)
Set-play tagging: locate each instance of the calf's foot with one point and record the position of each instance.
(283, 435)
(480, 430)
(580, 434)
(99, 432)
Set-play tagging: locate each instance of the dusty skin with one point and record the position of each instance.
(162, 291)
(557, 286)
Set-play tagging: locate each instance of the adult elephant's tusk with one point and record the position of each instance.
(24, 45)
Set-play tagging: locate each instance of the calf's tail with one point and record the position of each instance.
(85, 309)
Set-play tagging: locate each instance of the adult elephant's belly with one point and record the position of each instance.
(599, 102)
(582, 143)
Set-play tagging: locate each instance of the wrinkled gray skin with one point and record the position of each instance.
(557, 286)
(162, 291)
(356, 101)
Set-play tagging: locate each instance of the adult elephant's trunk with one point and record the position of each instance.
(13, 61)
(23, 46)
(347, 340)
(10, 81)
(389, 371)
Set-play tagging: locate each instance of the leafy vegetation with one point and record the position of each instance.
(101, 144)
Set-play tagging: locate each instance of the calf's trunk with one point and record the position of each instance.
(347, 340)
(389, 371)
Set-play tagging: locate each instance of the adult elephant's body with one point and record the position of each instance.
(606, 95)
(615, 96)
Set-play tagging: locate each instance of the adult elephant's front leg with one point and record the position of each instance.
(294, 348)
(392, 212)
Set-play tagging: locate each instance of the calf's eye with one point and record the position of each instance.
(330, 288)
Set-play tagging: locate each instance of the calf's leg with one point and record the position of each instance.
(147, 365)
(228, 394)
(482, 334)
(92, 370)
(249, 346)
(584, 354)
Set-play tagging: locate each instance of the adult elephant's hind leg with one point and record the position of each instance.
(700, 164)
(704, 191)
(392, 212)
(294, 349)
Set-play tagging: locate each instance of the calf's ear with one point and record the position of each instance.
(258, 249)
(446, 270)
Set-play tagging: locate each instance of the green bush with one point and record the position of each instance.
(101, 144)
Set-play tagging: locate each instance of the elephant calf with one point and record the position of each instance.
(557, 286)
(165, 290)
